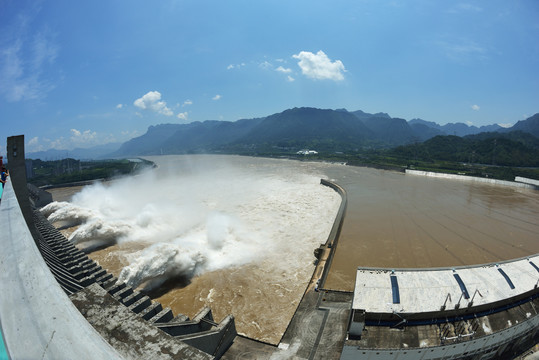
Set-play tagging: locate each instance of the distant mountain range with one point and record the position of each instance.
(298, 128)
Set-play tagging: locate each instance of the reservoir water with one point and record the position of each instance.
(238, 233)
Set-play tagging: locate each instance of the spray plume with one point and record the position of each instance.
(204, 215)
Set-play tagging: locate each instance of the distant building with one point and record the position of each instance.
(307, 152)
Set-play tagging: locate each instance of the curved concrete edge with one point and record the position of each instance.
(335, 232)
(37, 318)
(471, 178)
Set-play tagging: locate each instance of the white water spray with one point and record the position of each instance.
(199, 218)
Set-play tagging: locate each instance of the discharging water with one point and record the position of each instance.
(238, 233)
(234, 233)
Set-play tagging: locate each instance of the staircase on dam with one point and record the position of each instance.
(88, 285)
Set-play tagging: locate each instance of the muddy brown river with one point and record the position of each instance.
(392, 220)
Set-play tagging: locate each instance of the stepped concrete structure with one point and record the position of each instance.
(57, 303)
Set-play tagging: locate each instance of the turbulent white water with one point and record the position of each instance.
(196, 218)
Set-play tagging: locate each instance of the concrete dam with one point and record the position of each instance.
(490, 313)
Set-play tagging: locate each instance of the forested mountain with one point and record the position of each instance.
(310, 127)
(530, 125)
(511, 149)
(181, 138)
(293, 129)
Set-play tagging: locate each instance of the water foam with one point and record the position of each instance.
(203, 219)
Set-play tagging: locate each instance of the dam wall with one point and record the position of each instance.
(57, 303)
(527, 181)
(37, 317)
(472, 178)
(333, 237)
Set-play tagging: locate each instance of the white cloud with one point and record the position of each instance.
(151, 101)
(290, 78)
(283, 70)
(23, 62)
(182, 116)
(119, 106)
(319, 66)
(187, 102)
(235, 66)
(34, 145)
(86, 137)
(475, 107)
(216, 97)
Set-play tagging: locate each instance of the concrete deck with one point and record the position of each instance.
(427, 290)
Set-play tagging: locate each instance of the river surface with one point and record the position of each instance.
(277, 210)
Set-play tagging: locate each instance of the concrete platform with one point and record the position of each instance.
(434, 290)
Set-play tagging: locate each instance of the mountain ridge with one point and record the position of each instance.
(296, 128)
(301, 127)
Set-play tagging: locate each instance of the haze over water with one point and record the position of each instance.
(250, 226)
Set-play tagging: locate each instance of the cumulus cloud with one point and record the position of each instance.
(290, 78)
(152, 101)
(216, 97)
(182, 116)
(283, 70)
(86, 137)
(76, 139)
(187, 102)
(319, 66)
(34, 145)
(235, 66)
(119, 106)
(475, 107)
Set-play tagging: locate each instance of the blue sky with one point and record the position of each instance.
(82, 73)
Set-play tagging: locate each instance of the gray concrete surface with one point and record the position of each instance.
(426, 290)
(129, 334)
(38, 320)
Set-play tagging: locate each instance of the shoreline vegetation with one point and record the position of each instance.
(71, 172)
